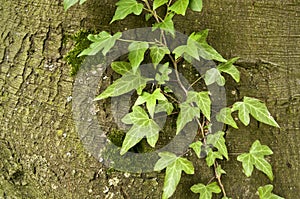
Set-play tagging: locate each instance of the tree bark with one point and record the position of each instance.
(41, 154)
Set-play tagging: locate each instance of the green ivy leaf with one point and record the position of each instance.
(212, 156)
(136, 53)
(125, 84)
(148, 16)
(175, 165)
(220, 171)
(255, 157)
(150, 100)
(187, 113)
(265, 192)
(196, 146)
(218, 141)
(256, 108)
(230, 69)
(164, 106)
(199, 37)
(202, 100)
(179, 7)
(158, 3)
(157, 54)
(103, 41)
(225, 116)
(167, 25)
(196, 5)
(70, 3)
(190, 49)
(206, 191)
(142, 127)
(164, 71)
(126, 7)
(121, 67)
(213, 75)
(243, 112)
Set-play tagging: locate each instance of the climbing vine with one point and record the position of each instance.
(195, 106)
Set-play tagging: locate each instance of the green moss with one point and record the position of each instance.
(81, 43)
(116, 137)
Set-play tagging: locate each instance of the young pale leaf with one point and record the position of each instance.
(213, 75)
(175, 165)
(225, 116)
(230, 69)
(187, 113)
(189, 50)
(220, 171)
(103, 41)
(121, 67)
(179, 7)
(70, 3)
(164, 71)
(202, 100)
(206, 191)
(150, 100)
(212, 156)
(158, 3)
(265, 192)
(218, 141)
(125, 84)
(243, 112)
(166, 159)
(136, 53)
(256, 158)
(209, 53)
(167, 25)
(164, 106)
(142, 127)
(196, 146)
(126, 7)
(259, 111)
(148, 16)
(157, 54)
(195, 5)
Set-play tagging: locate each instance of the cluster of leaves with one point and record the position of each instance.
(196, 106)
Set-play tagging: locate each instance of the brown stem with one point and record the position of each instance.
(219, 179)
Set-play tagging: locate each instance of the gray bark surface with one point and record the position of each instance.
(41, 155)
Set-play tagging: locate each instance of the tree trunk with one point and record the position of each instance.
(41, 154)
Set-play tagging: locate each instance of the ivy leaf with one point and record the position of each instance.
(230, 69)
(148, 16)
(164, 106)
(196, 146)
(164, 71)
(243, 112)
(218, 141)
(103, 41)
(150, 100)
(167, 25)
(125, 84)
(142, 127)
(256, 108)
(179, 7)
(204, 50)
(220, 171)
(202, 100)
(212, 156)
(255, 157)
(213, 75)
(175, 165)
(70, 3)
(126, 7)
(265, 192)
(196, 5)
(157, 54)
(186, 114)
(121, 67)
(190, 49)
(225, 116)
(136, 53)
(158, 3)
(206, 191)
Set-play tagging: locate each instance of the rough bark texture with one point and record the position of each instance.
(41, 155)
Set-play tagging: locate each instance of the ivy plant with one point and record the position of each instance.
(196, 106)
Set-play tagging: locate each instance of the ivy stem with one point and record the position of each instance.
(219, 179)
